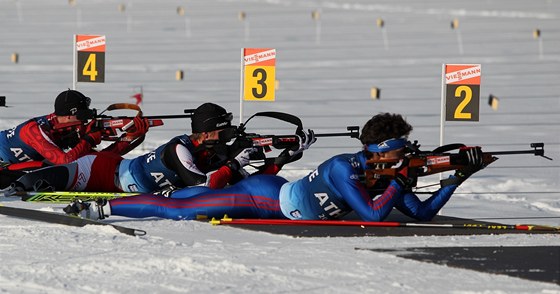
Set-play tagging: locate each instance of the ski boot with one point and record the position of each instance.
(18, 188)
(90, 210)
(15, 189)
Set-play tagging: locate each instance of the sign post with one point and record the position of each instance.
(89, 59)
(460, 94)
(258, 76)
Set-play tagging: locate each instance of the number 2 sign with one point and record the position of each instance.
(462, 92)
(90, 63)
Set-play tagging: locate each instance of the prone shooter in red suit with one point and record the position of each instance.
(42, 141)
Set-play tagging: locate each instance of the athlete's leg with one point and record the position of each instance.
(190, 191)
(88, 173)
(7, 177)
(254, 197)
(58, 177)
(100, 172)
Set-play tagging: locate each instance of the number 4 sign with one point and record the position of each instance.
(462, 92)
(89, 58)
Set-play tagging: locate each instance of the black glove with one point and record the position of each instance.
(237, 146)
(473, 158)
(406, 178)
(473, 161)
(284, 157)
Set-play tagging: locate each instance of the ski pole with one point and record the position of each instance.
(488, 226)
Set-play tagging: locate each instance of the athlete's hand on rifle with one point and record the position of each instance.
(93, 133)
(472, 159)
(295, 153)
(406, 177)
(140, 128)
(305, 141)
(242, 159)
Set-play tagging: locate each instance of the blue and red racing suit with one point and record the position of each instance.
(36, 140)
(253, 197)
(33, 140)
(331, 191)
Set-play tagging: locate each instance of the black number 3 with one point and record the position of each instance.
(261, 82)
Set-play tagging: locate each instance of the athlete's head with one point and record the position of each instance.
(72, 112)
(211, 124)
(210, 117)
(385, 134)
(72, 106)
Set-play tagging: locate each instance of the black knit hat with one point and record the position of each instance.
(210, 117)
(72, 102)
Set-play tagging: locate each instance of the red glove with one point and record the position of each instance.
(140, 128)
(93, 133)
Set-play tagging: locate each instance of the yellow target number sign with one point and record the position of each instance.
(90, 61)
(259, 66)
(462, 92)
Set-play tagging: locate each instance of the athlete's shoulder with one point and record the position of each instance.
(41, 122)
(340, 164)
(44, 119)
(184, 140)
(345, 159)
(30, 128)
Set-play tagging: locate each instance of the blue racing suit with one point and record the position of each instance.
(148, 172)
(334, 189)
(177, 163)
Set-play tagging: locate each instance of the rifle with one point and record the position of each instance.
(267, 142)
(432, 162)
(111, 126)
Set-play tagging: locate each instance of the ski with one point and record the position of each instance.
(63, 219)
(68, 196)
(286, 222)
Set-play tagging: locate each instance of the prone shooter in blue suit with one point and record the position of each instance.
(333, 190)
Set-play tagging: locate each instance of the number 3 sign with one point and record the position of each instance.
(90, 65)
(259, 74)
(462, 92)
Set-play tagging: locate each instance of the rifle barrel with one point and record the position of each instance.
(538, 151)
(334, 135)
(354, 133)
(514, 152)
(168, 116)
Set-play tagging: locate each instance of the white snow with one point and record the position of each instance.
(326, 80)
